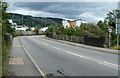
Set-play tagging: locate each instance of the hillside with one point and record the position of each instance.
(35, 21)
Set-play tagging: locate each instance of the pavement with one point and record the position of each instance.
(20, 64)
(58, 59)
(106, 50)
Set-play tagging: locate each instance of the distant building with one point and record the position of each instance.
(41, 31)
(32, 28)
(65, 23)
(74, 23)
(10, 21)
(77, 23)
(44, 29)
(13, 25)
(20, 28)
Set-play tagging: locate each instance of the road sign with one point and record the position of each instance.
(110, 30)
(117, 25)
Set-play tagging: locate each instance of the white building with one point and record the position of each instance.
(74, 23)
(65, 23)
(32, 28)
(21, 28)
(44, 29)
(79, 22)
(10, 21)
(13, 25)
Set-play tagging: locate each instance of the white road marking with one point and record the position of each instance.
(109, 64)
(115, 66)
(56, 48)
(33, 61)
(75, 54)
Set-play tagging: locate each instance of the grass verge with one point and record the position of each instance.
(115, 48)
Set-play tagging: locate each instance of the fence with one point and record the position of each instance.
(69, 38)
(9, 38)
(95, 41)
(89, 40)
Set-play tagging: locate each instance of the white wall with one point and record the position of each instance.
(32, 28)
(44, 29)
(21, 28)
(78, 22)
(65, 23)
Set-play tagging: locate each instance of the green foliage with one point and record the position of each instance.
(88, 28)
(103, 25)
(92, 29)
(111, 17)
(6, 30)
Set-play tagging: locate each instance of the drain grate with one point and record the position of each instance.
(16, 61)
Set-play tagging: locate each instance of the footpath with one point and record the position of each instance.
(19, 63)
(86, 46)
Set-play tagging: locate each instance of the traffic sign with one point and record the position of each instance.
(110, 30)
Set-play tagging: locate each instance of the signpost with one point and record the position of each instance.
(109, 31)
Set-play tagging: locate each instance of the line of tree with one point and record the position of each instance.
(34, 21)
(6, 31)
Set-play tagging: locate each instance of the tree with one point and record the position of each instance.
(111, 19)
(6, 30)
(103, 25)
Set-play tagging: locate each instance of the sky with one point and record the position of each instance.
(88, 11)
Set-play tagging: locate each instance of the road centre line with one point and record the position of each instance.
(109, 64)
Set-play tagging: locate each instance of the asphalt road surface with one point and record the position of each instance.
(60, 59)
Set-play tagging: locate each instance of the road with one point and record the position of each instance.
(54, 57)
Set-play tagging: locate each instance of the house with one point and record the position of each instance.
(77, 23)
(13, 25)
(42, 31)
(73, 23)
(20, 28)
(32, 28)
(65, 23)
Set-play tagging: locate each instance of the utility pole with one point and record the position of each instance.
(13, 12)
(22, 19)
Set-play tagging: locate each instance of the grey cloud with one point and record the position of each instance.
(70, 10)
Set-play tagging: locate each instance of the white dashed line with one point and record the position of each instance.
(115, 66)
(56, 48)
(75, 54)
(109, 64)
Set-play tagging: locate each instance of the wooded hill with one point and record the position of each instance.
(34, 21)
